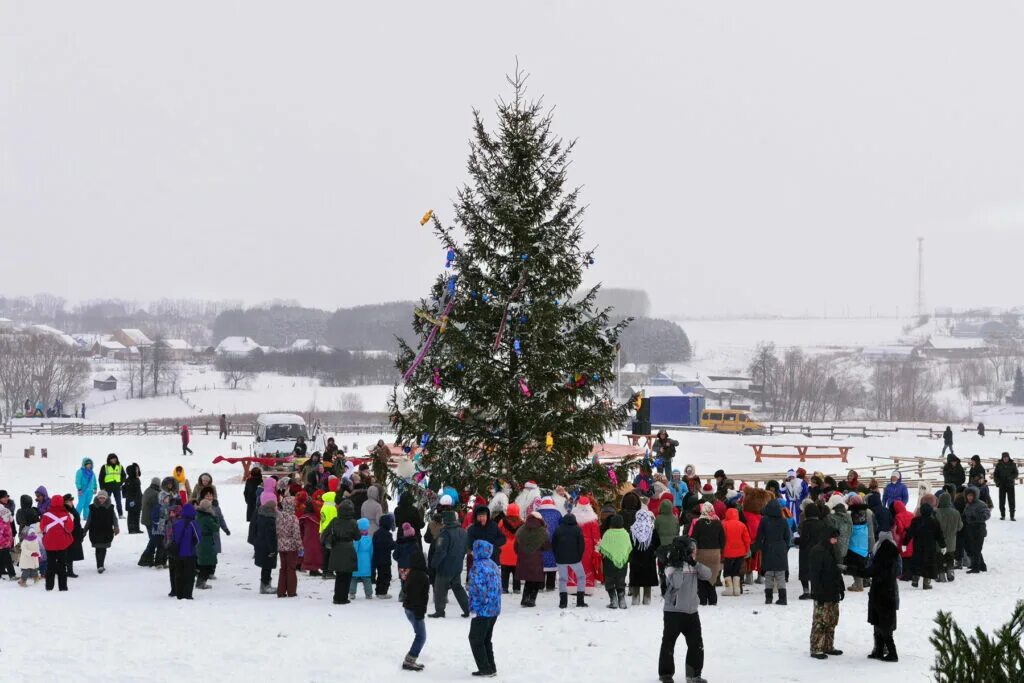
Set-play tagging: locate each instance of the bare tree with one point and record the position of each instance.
(236, 372)
(40, 368)
(157, 361)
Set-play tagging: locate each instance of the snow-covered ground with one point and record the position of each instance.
(233, 632)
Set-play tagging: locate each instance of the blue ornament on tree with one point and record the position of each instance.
(460, 367)
(597, 377)
(425, 440)
(522, 320)
(451, 286)
(450, 259)
(523, 257)
(517, 348)
(486, 297)
(657, 463)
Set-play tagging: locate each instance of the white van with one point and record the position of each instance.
(276, 433)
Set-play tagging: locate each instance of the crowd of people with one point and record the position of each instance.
(694, 540)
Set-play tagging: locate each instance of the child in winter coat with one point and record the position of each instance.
(28, 563)
(383, 545)
(417, 590)
(737, 547)
(509, 523)
(485, 604)
(206, 552)
(364, 560)
(615, 547)
(289, 542)
(6, 542)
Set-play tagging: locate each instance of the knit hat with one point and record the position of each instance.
(708, 488)
(206, 505)
(582, 501)
(407, 530)
(445, 500)
(835, 501)
(720, 473)
(269, 496)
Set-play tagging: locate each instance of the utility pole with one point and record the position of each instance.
(920, 277)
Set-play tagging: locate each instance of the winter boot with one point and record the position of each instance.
(563, 600)
(858, 585)
(727, 585)
(579, 600)
(949, 575)
(768, 596)
(877, 650)
(267, 589)
(613, 602)
(634, 593)
(622, 598)
(927, 584)
(410, 664)
(21, 582)
(913, 582)
(890, 651)
(647, 595)
(782, 597)
(201, 584)
(759, 580)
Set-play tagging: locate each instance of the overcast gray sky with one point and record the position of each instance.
(737, 157)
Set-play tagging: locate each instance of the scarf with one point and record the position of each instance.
(615, 546)
(707, 511)
(642, 529)
(180, 478)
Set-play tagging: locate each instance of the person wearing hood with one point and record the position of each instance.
(184, 487)
(339, 538)
(185, 539)
(252, 485)
(552, 516)
(884, 596)
(666, 524)
(862, 540)
(841, 521)
(364, 561)
(483, 528)
(810, 533)
(735, 551)
(678, 488)
(289, 543)
(26, 515)
(895, 490)
(880, 514)
(313, 556)
(383, 546)
(1005, 475)
(167, 498)
(58, 528)
(929, 545)
(568, 547)
(509, 522)
(265, 540)
(101, 526)
(772, 541)
(947, 441)
(133, 497)
(6, 542)
(828, 590)
(407, 512)
(31, 551)
(371, 509)
(111, 479)
(951, 523)
(643, 482)
(43, 501)
(977, 470)
(485, 604)
(447, 561)
(643, 571)
(901, 519)
(680, 580)
(205, 481)
(796, 491)
(615, 548)
(976, 515)
(532, 540)
(147, 508)
(85, 482)
(417, 593)
(953, 472)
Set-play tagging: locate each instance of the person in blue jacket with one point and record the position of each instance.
(485, 604)
(364, 558)
(678, 488)
(85, 482)
(895, 490)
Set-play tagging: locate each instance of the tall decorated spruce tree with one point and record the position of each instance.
(512, 376)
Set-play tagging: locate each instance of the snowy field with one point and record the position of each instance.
(233, 632)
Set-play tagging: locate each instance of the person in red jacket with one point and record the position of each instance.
(57, 527)
(590, 525)
(737, 547)
(509, 523)
(186, 438)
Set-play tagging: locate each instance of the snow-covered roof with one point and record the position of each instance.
(110, 345)
(137, 337)
(956, 343)
(651, 390)
(53, 332)
(237, 346)
(279, 419)
(176, 344)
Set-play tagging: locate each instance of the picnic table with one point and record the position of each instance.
(829, 451)
(634, 440)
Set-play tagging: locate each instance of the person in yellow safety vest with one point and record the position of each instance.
(111, 479)
(327, 513)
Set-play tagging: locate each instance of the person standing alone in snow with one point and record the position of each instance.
(679, 582)
(947, 440)
(1005, 477)
(186, 438)
(485, 603)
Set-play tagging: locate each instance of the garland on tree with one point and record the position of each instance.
(513, 375)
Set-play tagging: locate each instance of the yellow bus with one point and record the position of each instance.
(729, 421)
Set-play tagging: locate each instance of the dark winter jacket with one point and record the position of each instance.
(929, 544)
(251, 493)
(708, 534)
(487, 531)
(149, 501)
(417, 585)
(26, 514)
(884, 595)
(882, 516)
(567, 542)
(340, 537)
(949, 521)
(773, 538)
(826, 580)
(531, 541)
(265, 542)
(405, 548)
(953, 472)
(450, 547)
(383, 542)
(406, 511)
(102, 524)
(132, 487)
(976, 514)
(1005, 473)
(947, 436)
(813, 531)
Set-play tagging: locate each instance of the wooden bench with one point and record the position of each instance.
(801, 451)
(634, 440)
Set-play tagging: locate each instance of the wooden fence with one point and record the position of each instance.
(153, 429)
